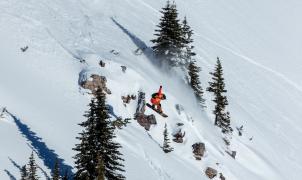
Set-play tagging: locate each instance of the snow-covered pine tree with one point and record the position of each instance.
(24, 173)
(166, 145)
(104, 135)
(217, 86)
(97, 139)
(85, 159)
(188, 53)
(56, 171)
(169, 37)
(32, 168)
(195, 84)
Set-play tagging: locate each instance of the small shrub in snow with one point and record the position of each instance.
(23, 49)
(166, 145)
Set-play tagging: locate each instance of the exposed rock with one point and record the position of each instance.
(146, 120)
(178, 137)
(211, 173)
(128, 98)
(97, 82)
(180, 124)
(199, 150)
(226, 141)
(232, 153)
(124, 68)
(179, 108)
(23, 49)
(114, 52)
(221, 176)
(101, 63)
(240, 130)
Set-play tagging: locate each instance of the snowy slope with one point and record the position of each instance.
(259, 43)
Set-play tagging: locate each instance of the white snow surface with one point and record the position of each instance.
(258, 41)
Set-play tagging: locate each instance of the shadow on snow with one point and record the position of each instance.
(43, 151)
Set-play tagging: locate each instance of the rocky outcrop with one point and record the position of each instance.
(144, 120)
(178, 136)
(94, 83)
(211, 172)
(221, 176)
(128, 98)
(198, 150)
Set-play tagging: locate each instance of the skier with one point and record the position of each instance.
(156, 98)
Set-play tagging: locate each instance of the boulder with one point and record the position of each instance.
(146, 120)
(178, 137)
(221, 176)
(96, 82)
(211, 173)
(198, 150)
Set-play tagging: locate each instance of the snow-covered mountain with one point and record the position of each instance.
(259, 43)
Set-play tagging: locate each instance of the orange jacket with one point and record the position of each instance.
(157, 97)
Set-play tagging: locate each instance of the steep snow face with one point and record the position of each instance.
(259, 44)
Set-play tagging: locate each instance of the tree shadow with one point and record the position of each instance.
(11, 177)
(43, 151)
(15, 164)
(146, 50)
(111, 111)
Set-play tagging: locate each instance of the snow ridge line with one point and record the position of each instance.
(251, 61)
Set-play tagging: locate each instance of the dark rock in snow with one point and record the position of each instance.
(199, 150)
(124, 68)
(101, 63)
(128, 98)
(232, 153)
(144, 120)
(178, 137)
(211, 173)
(221, 176)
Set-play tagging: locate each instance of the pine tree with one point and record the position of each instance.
(217, 86)
(97, 139)
(24, 173)
(56, 171)
(85, 160)
(166, 145)
(188, 53)
(195, 83)
(32, 168)
(169, 37)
